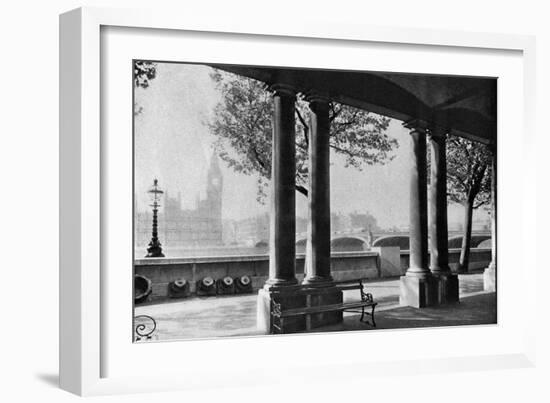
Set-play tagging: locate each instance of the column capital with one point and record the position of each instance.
(282, 89)
(438, 132)
(317, 96)
(417, 125)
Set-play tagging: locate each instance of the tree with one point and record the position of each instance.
(468, 183)
(364, 221)
(242, 120)
(144, 72)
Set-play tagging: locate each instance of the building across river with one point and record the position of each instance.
(186, 228)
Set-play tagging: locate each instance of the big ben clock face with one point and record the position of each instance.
(216, 181)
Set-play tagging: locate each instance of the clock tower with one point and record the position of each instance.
(214, 187)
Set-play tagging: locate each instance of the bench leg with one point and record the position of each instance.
(372, 322)
(276, 325)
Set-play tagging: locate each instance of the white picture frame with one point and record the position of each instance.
(83, 295)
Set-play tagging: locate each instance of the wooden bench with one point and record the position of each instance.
(278, 314)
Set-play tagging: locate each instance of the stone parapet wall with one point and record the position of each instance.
(479, 259)
(161, 271)
(380, 262)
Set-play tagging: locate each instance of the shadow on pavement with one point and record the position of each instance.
(473, 310)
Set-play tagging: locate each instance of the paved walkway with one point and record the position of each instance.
(236, 315)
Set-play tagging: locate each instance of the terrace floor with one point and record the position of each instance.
(223, 316)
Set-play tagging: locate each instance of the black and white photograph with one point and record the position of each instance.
(274, 200)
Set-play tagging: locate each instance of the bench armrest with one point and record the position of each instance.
(276, 308)
(366, 296)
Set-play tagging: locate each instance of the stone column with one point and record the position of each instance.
(447, 290)
(417, 286)
(489, 275)
(282, 230)
(317, 264)
(418, 205)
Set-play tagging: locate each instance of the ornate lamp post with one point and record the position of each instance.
(154, 249)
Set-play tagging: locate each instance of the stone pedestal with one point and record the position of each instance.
(447, 288)
(390, 260)
(490, 279)
(418, 292)
(322, 296)
(330, 295)
(263, 319)
(287, 301)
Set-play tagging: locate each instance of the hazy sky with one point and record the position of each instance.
(173, 144)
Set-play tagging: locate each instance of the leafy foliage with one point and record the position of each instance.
(144, 72)
(243, 121)
(468, 172)
(468, 183)
(365, 221)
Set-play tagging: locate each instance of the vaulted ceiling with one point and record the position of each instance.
(466, 106)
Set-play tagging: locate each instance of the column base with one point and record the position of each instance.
(317, 281)
(277, 282)
(418, 291)
(490, 278)
(447, 288)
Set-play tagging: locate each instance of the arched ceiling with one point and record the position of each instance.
(465, 106)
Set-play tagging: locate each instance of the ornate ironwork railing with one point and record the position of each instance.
(145, 328)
